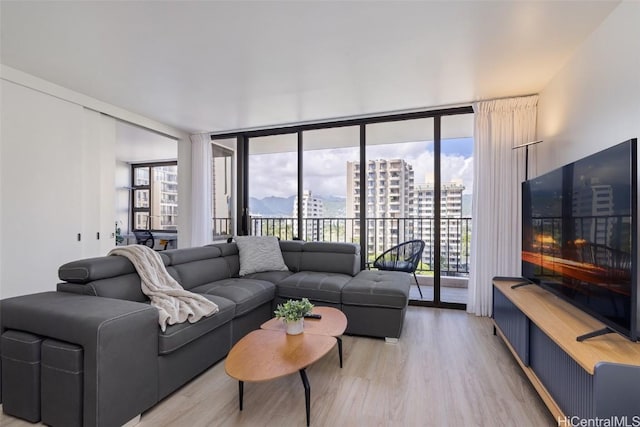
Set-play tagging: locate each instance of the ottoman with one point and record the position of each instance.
(375, 303)
(21, 375)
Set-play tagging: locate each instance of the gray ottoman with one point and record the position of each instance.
(21, 375)
(61, 389)
(375, 303)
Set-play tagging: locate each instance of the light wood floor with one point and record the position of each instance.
(447, 294)
(447, 370)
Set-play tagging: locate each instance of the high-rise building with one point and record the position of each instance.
(164, 199)
(222, 178)
(312, 207)
(451, 232)
(390, 196)
(590, 201)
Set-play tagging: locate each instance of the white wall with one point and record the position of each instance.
(184, 192)
(42, 191)
(45, 164)
(123, 195)
(594, 101)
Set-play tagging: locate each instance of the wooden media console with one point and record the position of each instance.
(595, 378)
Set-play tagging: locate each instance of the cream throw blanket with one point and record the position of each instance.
(174, 304)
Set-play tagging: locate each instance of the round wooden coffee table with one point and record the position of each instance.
(264, 355)
(333, 323)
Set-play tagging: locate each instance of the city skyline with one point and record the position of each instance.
(324, 177)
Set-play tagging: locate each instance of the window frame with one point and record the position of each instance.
(149, 187)
(243, 138)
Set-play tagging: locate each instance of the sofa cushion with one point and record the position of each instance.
(317, 286)
(126, 286)
(90, 269)
(328, 257)
(375, 288)
(197, 273)
(259, 253)
(180, 334)
(193, 267)
(230, 255)
(269, 276)
(291, 253)
(247, 294)
(182, 256)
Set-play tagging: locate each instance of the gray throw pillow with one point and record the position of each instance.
(259, 253)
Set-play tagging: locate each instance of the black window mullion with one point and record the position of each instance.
(437, 202)
(300, 184)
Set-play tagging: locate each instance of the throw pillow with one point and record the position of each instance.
(259, 253)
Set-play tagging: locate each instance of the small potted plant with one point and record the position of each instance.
(292, 313)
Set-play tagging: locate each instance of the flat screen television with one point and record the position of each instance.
(579, 236)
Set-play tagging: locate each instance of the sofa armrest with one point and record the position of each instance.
(120, 342)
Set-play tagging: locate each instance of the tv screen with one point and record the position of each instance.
(579, 235)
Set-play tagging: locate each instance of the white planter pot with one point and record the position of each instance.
(295, 328)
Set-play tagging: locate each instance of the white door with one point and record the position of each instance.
(41, 168)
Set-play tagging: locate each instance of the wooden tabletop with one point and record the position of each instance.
(333, 323)
(266, 354)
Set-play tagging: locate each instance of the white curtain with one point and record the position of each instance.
(498, 172)
(201, 190)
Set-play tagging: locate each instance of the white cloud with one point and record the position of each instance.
(325, 170)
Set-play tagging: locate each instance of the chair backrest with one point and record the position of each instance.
(403, 257)
(144, 237)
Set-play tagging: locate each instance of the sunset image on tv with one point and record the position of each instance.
(577, 233)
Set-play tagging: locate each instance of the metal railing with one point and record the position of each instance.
(382, 234)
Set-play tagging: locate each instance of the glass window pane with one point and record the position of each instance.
(140, 221)
(456, 156)
(400, 165)
(273, 185)
(141, 198)
(164, 198)
(223, 189)
(328, 154)
(141, 176)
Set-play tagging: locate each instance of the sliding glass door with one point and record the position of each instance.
(223, 162)
(400, 162)
(328, 186)
(273, 185)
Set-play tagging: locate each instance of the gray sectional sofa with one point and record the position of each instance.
(92, 353)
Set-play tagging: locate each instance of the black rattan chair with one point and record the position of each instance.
(144, 237)
(403, 257)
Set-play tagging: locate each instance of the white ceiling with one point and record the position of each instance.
(138, 145)
(215, 66)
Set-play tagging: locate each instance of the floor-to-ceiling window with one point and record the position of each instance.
(400, 165)
(222, 209)
(328, 184)
(273, 185)
(376, 181)
(456, 189)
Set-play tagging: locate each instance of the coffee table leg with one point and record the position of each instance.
(307, 394)
(340, 349)
(241, 392)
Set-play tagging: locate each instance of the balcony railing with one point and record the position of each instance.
(383, 233)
